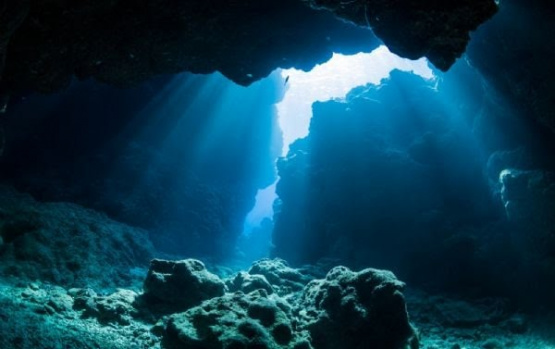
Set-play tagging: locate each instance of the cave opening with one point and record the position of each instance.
(328, 81)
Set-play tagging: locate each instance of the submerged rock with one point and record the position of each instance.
(356, 309)
(67, 244)
(280, 275)
(237, 320)
(180, 284)
(436, 29)
(247, 283)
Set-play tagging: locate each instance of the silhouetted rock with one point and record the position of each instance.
(514, 53)
(123, 43)
(163, 156)
(436, 30)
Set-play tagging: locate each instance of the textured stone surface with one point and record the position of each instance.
(438, 30)
(246, 283)
(164, 156)
(124, 42)
(236, 320)
(280, 275)
(514, 52)
(67, 244)
(181, 284)
(356, 309)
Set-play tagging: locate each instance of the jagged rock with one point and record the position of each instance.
(514, 53)
(247, 283)
(123, 43)
(151, 180)
(42, 316)
(180, 284)
(115, 308)
(280, 275)
(67, 244)
(438, 30)
(529, 199)
(237, 320)
(356, 309)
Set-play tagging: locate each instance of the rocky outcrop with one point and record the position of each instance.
(439, 31)
(382, 177)
(168, 156)
(514, 53)
(369, 301)
(122, 43)
(280, 275)
(67, 244)
(237, 320)
(180, 284)
(345, 310)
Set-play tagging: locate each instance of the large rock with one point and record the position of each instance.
(438, 30)
(67, 244)
(180, 284)
(280, 275)
(351, 310)
(529, 201)
(236, 320)
(383, 175)
(514, 53)
(122, 43)
(162, 157)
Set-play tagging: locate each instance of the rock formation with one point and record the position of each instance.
(67, 244)
(123, 42)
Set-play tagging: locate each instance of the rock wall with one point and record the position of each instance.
(126, 42)
(66, 244)
(181, 158)
(400, 176)
(514, 53)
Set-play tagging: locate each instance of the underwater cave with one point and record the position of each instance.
(293, 174)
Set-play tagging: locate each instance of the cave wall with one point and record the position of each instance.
(44, 44)
(182, 158)
(514, 52)
(405, 176)
(123, 43)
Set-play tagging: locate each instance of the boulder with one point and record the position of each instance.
(181, 284)
(280, 275)
(364, 309)
(237, 320)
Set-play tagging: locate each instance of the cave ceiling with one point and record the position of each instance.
(45, 44)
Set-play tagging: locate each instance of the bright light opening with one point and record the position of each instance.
(331, 80)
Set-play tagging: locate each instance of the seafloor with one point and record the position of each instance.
(73, 278)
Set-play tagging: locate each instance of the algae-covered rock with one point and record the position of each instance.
(356, 310)
(280, 275)
(66, 244)
(181, 284)
(116, 308)
(236, 320)
(247, 283)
